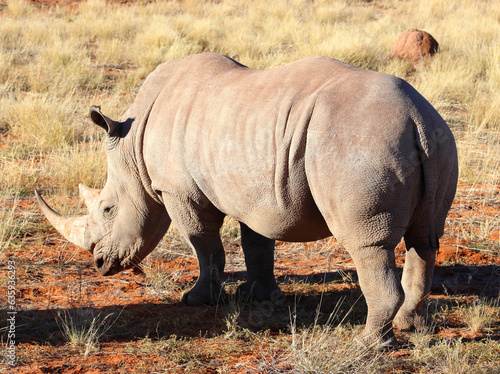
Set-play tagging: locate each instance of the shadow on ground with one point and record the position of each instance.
(309, 297)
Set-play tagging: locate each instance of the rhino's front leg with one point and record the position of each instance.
(211, 259)
(259, 259)
(199, 224)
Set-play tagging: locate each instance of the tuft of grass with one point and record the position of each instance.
(329, 349)
(19, 177)
(230, 231)
(83, 329)
(421, 341)
(161, 281)
(83, 163)
(485, 111)
(457, 357)
(232, 311)
(477, 221)
(18, 9)
(480, 315)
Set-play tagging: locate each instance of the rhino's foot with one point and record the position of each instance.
(198, 297)
(377, 341)
(258, 291)
(409, 321)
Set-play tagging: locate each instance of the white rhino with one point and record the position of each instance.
(296, 153)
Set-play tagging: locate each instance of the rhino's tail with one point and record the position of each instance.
(430, 172)
(429, 158)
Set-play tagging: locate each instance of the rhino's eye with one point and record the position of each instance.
(108, 211)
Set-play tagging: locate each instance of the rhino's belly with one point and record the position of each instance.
(281, 227)
(297, 220)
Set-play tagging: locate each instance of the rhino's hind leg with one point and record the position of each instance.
(259, 259)
(200, 227)
(416, 280)
(382, 290)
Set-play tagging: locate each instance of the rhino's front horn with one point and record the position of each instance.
(72, 228)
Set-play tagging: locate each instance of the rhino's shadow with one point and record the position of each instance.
(161, 320)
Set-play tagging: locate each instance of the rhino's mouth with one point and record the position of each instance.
(110, 265)
(106, 267)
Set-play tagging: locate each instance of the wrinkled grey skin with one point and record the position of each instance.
(296, 153)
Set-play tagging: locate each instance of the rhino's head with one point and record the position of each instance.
(125, 222)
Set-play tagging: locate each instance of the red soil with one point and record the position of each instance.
(53, 275)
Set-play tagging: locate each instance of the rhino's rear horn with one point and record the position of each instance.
(72, 228)
(89, 195)
(110, 126)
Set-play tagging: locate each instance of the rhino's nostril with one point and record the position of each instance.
(99, 262)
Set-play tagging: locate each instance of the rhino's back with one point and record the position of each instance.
(239, 136)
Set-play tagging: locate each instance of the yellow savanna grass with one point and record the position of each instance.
(56, 62)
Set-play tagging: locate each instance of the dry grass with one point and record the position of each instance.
(457, 357)
(82, 329)
(162, 282)
(8, 226)
(480, 315)
(50, 76)
(328, 349)
(56, 62)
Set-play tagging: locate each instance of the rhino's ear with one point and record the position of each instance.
(110, 126)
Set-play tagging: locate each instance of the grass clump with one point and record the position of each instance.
(331, 349)
(162, 281)
(327, 349)
(83, 163)
(82, 329)
(18, 9)
(480, 315)
(456, 357)
(18, 177)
